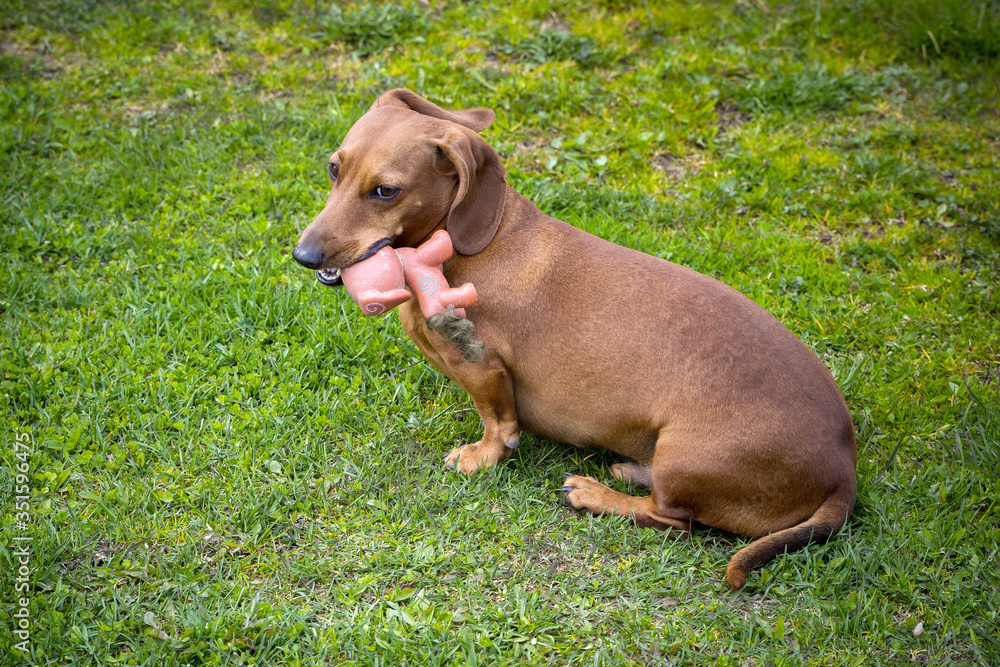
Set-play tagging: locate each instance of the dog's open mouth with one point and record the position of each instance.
(329, 277)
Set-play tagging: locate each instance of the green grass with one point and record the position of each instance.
(230, 465)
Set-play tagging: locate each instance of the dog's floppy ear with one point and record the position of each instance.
(482, 189)
(475, 119)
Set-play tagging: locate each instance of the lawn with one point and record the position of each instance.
(209, 458)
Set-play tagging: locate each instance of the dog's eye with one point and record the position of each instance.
(333, 169)
(385, 192)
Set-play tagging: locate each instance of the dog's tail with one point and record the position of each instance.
(827, 520)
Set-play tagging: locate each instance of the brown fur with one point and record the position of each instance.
(731, 421)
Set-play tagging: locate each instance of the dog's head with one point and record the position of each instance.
(404, 170)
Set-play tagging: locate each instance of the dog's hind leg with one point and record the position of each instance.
(653, 511)
(633, 473)
(586, 493)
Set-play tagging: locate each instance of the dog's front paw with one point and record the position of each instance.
(470, 458)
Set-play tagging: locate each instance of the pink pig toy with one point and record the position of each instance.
(378, 284)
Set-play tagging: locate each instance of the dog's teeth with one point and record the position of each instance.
(328, 275)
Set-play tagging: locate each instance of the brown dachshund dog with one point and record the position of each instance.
(727, 417)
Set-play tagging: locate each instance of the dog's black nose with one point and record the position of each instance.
(308, 257)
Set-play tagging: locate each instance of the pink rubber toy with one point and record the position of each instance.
(377, 283)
